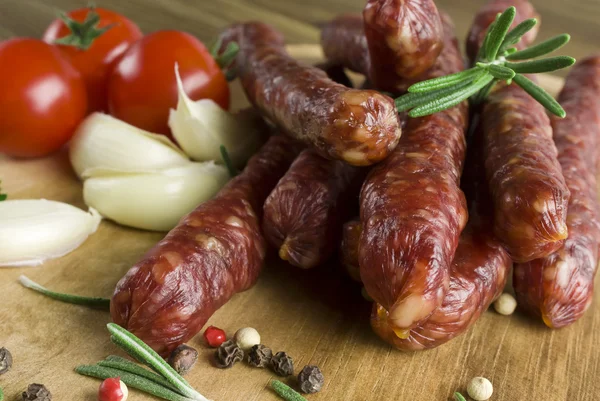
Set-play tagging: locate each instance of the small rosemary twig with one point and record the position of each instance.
(285, 391)
(116, 362)
(101, 303)
(459, 397)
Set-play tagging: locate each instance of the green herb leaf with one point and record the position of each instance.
(541, 49)
(459, 397)
(131, 380)
(1, 394)
(443, 82)
(102, 303)
(227, 161)
(285, 391)
(514, 36)
(542, 65)
(498, 33)
(215, 47)
(452, 99)
(146, 355)
(84, 33)
(116, 362)
(540, 95)
(500, 72)
(2, 196)
(512, 50)
(481, 55)
(225, 59)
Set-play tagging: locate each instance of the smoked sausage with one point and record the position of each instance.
(344, 43)
(214, 252)
(360, 127)
(559, 287)
(412, 210)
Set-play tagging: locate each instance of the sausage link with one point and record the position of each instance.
(528, 189)
(487, 14)
(336, 73)
(214, 252)
(349, 248)
(412, 210)
(559, 287)
(358, 126)
(344, 43)
(404, 39)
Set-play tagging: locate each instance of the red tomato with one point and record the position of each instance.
(42, 98)
(143, 88)
(97, 61)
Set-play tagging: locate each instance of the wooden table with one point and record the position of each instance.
(318, 317)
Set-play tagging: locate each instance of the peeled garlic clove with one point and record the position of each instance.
(34, 230)
(201, 128)
(154, 201)
(102, 141)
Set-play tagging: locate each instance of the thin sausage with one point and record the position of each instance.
(344, 43)
(412, 210)
(560, 286)
(358, 126)
(214, 252)
(404, 37)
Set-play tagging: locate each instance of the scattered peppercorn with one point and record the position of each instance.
(5, 360)
(228, 354)
(183, 358)
(246, 338)
(282, 364)
(310, 379)
(214, 336)
(113, 389)
(259, 356)
(37, 392)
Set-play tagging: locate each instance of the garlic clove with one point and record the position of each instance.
(154, 201)
(201, 127)
(34, 230)
(102, 141)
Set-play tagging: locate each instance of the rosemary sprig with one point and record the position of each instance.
(459, 397)
(166, 383)
(496, 61)
(101, 303)
(285, 391)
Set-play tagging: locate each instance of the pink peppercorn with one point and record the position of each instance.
(112, 389)
(214, 336)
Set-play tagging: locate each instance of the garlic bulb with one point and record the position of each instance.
(102, 141)
(153, 201)
(34, 230)
(201, 127)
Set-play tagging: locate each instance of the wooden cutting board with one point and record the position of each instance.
(318, 317)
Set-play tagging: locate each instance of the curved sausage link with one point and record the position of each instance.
(344, 43)
(358, 126)
(560, 286)
(303, 215)
(214, 252)
(404, 39)
(412, 211)
(487, 14)
(525, 179)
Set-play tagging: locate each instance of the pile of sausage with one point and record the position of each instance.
(431, 230)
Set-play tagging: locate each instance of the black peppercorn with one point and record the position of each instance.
(5, 360)
(282, 364)
(310, 379)
(259, 356)
(183, 358)
(228, 354)
(37, 392)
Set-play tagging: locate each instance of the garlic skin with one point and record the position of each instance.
(153, 201)
(102, 141)
(34, 230)
(201, 127)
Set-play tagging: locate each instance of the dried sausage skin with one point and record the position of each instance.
(349, 248)
(487, 14)
(214, 252)
(358, 126)
(412, 210)
(303, 215)
(404, 39)
(560, 286)
(344, 43)
(528, 189)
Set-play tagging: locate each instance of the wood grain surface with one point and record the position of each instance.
(318, 317)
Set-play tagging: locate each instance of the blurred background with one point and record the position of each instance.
(297, 19)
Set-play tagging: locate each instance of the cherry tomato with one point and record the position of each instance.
(42, 98)
(143, 88)
(95, 63)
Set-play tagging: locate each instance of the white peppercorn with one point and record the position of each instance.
(480, 389)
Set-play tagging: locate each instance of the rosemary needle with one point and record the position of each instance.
(101, 303)
(285, 391)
